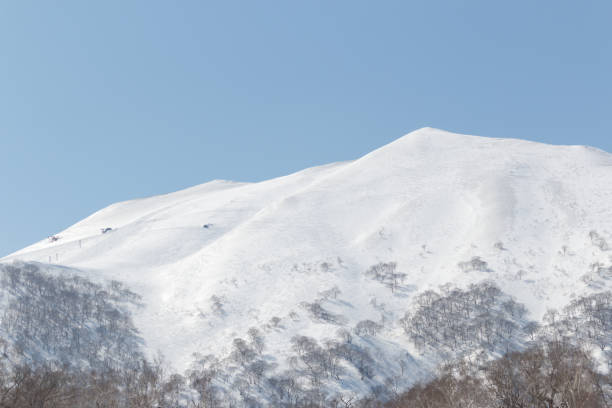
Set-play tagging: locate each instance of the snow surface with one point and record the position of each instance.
(427, 201)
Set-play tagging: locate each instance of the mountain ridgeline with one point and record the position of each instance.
(427, 272)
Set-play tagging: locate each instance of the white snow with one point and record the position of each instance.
(428, 201)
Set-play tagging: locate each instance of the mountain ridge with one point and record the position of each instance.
(429, 201)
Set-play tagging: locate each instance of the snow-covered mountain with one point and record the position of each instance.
(214, 260)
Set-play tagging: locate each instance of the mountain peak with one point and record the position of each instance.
(434, 141)
(437, 137)
(427, 202)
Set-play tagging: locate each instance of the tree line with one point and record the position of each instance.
(56, 325)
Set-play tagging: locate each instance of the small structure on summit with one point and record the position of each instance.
(207, 226)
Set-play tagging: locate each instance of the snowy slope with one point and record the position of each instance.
(428, 201)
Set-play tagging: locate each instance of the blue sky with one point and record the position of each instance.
(108, 101)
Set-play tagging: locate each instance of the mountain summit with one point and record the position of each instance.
(214, 260)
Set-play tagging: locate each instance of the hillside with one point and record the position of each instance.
(214, 260)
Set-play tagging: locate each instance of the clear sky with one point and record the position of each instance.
(112, 100)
